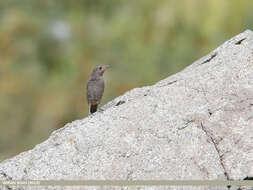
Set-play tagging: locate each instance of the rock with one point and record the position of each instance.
(196, 124)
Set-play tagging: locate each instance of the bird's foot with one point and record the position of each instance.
(100, 110)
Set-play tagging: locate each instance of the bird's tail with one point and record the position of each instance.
(93, 108)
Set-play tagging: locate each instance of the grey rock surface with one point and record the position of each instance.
(196, 124)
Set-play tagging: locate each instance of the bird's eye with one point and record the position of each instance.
(100, 68)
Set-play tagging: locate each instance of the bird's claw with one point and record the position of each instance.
(100, 110)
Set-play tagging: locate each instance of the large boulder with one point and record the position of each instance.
(196, 124)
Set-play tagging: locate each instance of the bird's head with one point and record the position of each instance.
(100, 69)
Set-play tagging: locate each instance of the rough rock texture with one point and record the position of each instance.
(196, 124)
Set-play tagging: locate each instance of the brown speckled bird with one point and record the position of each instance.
(95, 87)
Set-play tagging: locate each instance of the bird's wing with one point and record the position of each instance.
(95, 90)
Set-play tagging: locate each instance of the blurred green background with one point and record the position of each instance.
(49, 47)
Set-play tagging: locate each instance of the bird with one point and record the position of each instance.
(95, 87)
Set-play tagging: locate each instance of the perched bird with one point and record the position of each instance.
(95, 87)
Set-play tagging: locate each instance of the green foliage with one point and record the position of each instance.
(48, 49)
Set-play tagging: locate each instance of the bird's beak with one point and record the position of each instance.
(105, 67)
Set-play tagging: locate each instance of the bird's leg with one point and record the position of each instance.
(89, 109)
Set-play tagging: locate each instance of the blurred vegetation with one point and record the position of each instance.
(49, 47)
